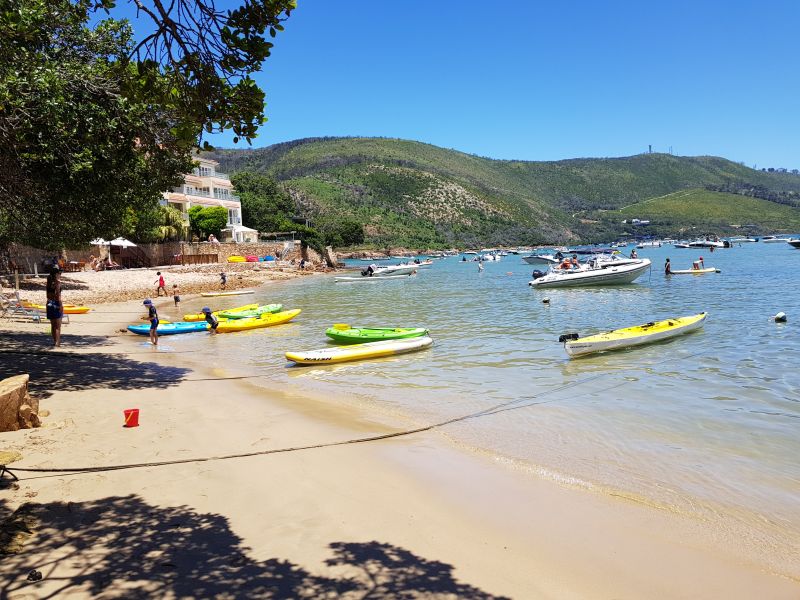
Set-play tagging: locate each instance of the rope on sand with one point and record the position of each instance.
(498, 408)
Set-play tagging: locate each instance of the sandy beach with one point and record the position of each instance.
(410, 516)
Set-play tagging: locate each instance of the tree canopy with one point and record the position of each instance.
(94, 124)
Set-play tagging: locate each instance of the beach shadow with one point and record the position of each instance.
(123, 547)
(55, 370)
(31, 341)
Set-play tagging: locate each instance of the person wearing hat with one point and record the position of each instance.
(211, 319)
(152, 316)
(54, 308)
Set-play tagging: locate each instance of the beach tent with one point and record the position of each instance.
(240, 233)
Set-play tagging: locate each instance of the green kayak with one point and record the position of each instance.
(255, 312)
(344, 334)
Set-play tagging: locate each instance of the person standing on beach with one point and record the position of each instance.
(161, 284)
(223, 280)
(54, 308)
(152, 316)
(176, 295)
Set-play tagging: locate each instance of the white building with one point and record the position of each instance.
(205, 186)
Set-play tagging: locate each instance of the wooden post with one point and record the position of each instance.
(16, 279)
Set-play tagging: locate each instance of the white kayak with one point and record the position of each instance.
(363, 278)
(695, 271)
(341, 354)
(231, 293)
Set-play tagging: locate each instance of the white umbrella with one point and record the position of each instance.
(98, 242)
(122, 242)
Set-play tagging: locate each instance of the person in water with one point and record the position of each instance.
(667, 268)
(54, 308)
(152, 316)
(211, 319)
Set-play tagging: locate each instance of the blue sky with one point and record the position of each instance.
(542, 80)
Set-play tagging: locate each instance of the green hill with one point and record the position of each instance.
(708, 211)
(414, 194)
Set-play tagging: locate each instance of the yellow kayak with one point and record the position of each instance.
(360, 351)
(69, 309)
(201, 316)
(631, 336)
(265, 320)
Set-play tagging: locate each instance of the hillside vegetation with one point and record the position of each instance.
(419, 195)
(709, 211)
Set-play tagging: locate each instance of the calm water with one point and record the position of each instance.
(706, 425)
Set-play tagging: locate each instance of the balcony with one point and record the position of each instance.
(205, 172)
(231, 197)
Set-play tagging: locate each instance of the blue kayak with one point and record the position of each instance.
(169, 328)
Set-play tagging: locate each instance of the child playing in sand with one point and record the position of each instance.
(152, 316)
(176, 295)
(161, 284)
(211, 319)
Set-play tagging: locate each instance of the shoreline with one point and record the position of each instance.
(505, 532)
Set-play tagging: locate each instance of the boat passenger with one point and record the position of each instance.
(566, 264)
(211, 319)
(574, 262)
(633, 253)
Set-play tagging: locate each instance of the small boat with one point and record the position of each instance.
(681, 245)
(342, 354)
(265, 320)
(794, 243)
(631, 336)
(611, 260)
(742, 240)
(706, 244)
(649, 244)
(702, 271)
(344, 334)
(771, 239)
(541, 259)
(588, 276)
(252, 312)
(231, 293)
(348, 279)
(169, 328)
(201, 316)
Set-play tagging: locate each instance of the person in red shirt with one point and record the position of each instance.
(161, 284)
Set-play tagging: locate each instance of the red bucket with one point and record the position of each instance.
(131, 417)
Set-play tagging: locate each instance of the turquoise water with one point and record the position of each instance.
(705, 425)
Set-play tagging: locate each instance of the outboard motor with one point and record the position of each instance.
(364, 272)
(537, 274)
(566, 337)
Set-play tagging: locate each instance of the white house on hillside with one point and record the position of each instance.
(205, 186)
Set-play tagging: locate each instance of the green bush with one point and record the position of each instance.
(204, 221)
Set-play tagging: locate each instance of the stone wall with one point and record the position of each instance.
(224, 250)
(25, 257)
(17, 409)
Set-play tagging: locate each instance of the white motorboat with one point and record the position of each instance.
(742, 240)
(681, 245)
(706, 244)
(649, 244)
(794, 243)
(771, 239)
(611, 260)
(541, 259)
(390, 270)
(587, 275)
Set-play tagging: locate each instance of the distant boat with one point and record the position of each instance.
(649, 244)
(794, 243)
(706, 244)
(742, 240)
(771, 239)
(541, 259)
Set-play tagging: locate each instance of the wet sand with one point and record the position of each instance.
(411, 515)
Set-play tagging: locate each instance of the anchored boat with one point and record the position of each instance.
(588, 276)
